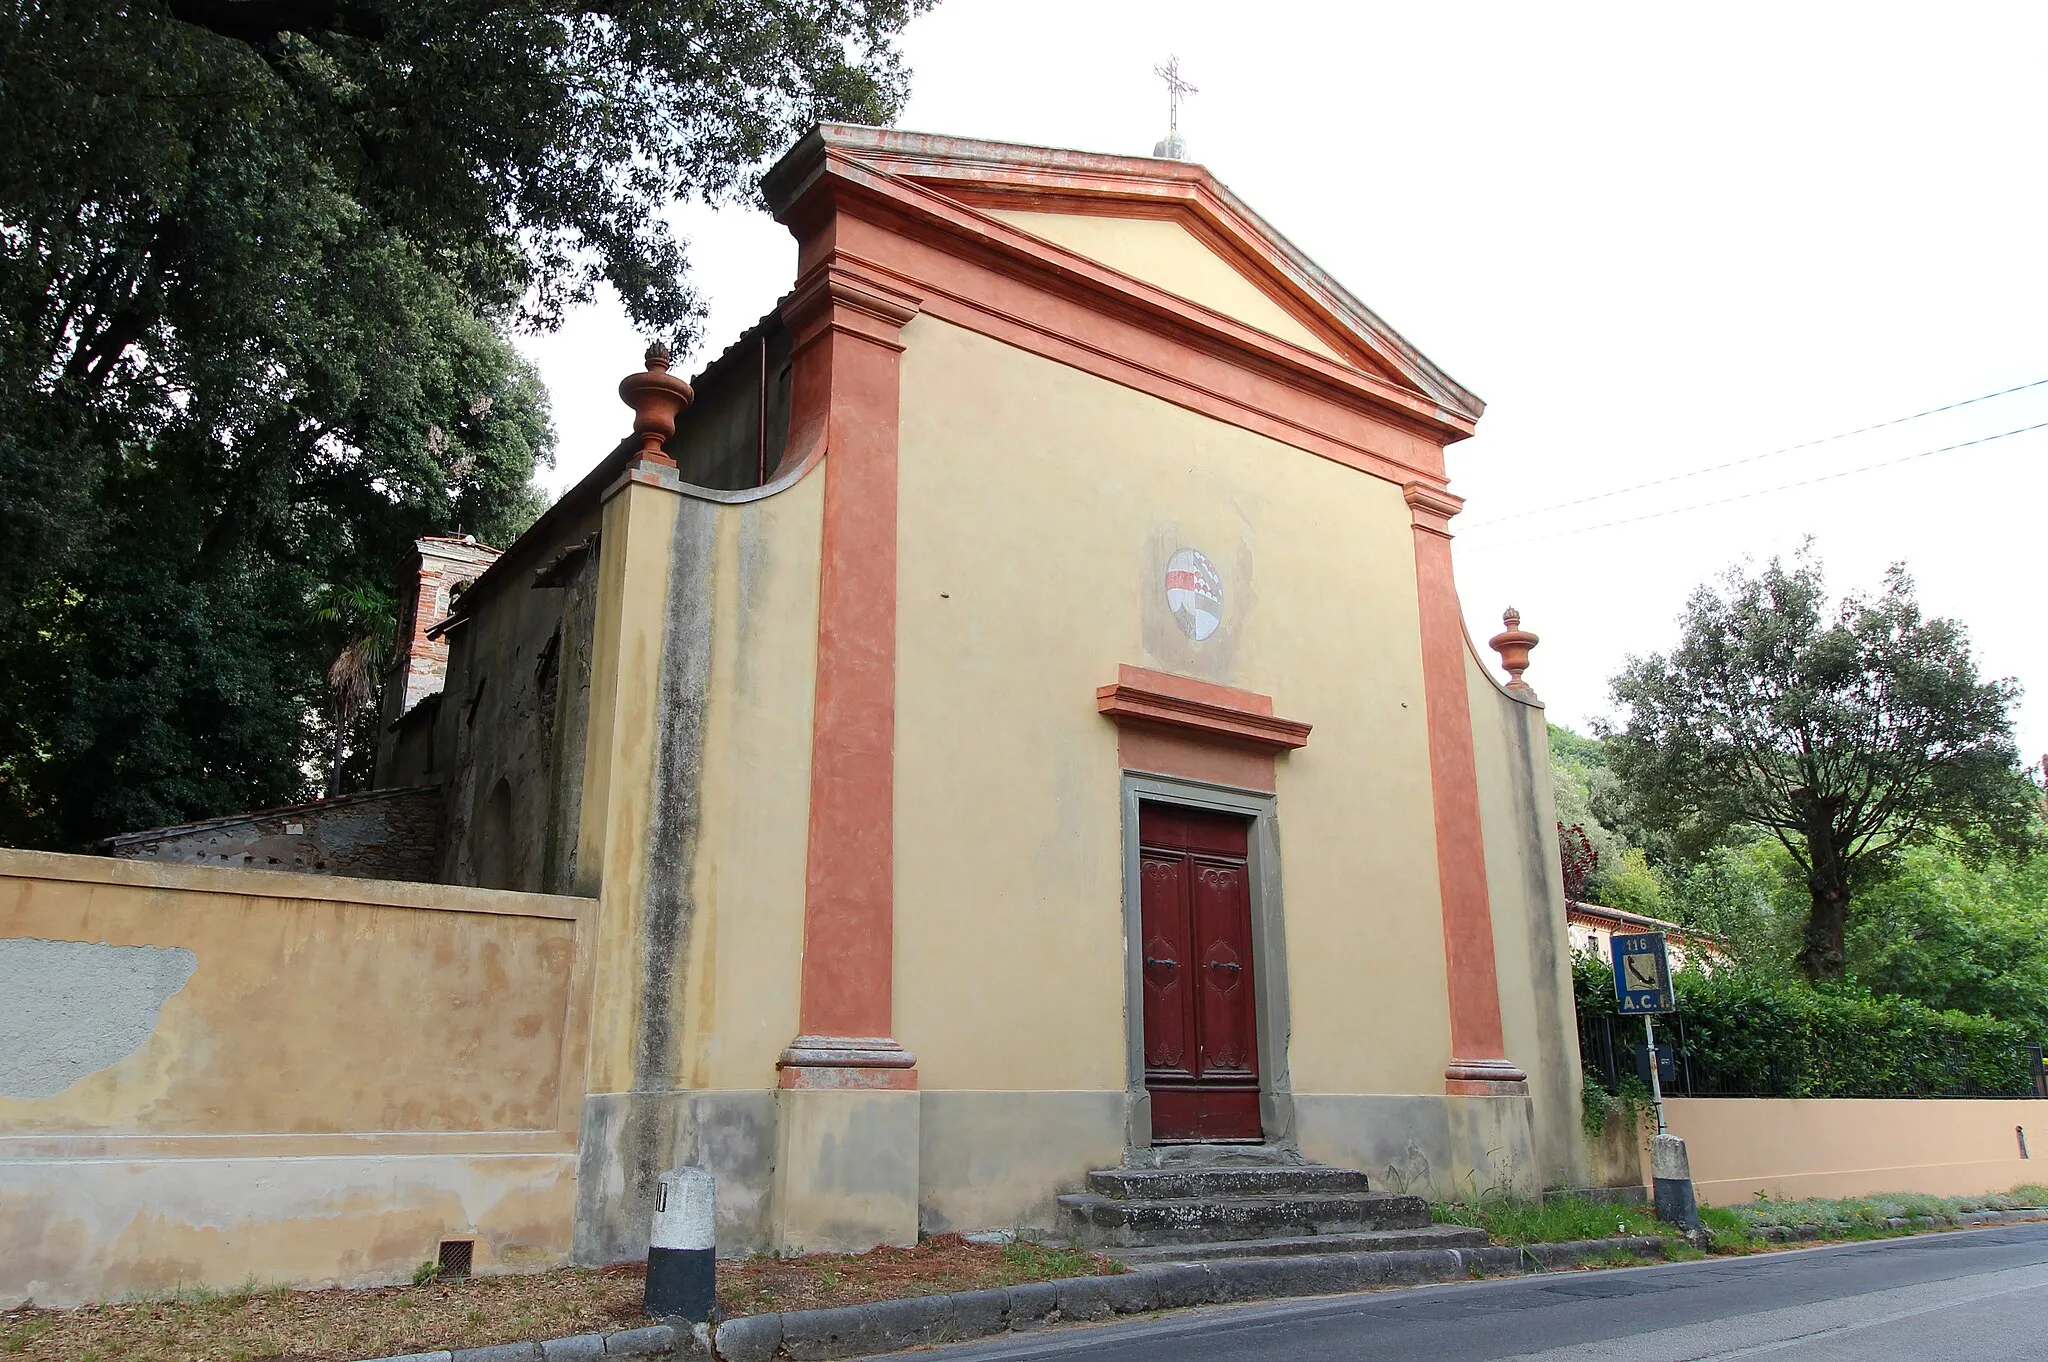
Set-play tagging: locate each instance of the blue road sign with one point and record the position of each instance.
(1642, 974)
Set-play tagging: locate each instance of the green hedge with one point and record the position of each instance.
(1739, 1033)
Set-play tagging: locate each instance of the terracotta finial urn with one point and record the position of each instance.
(1513, 644)
(657, 398)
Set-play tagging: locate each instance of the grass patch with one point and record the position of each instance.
(1865, 1217)
(256, 1323)
(1615, 1258)
(1732, 1233)
(1555, 1220)
(1736, 1229)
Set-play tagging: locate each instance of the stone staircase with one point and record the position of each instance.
(1192, 1202)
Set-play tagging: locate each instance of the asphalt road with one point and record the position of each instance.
(1980, 1295)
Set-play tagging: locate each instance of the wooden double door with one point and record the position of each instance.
(1201, 1024)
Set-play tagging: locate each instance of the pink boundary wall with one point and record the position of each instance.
(1838, 1147)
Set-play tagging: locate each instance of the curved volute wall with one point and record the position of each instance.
(1511, 741)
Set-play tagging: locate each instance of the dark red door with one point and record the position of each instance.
(1201, 1036)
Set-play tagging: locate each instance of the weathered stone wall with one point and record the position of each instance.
(518, 673)
(209, 1075)
(381, 835)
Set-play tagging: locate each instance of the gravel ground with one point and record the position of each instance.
(259, 1324)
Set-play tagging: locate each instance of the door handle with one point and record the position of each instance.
(1230, 965)
(1152, 960)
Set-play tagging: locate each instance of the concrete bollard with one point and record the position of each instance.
(682, 1253)
(1671, 1181)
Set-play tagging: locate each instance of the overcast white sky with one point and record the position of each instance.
(1654, 238)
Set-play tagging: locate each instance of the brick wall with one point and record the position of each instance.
(420, 662)
(381, 835)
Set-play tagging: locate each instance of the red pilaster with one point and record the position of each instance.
(1479, 1063)
(845, 328)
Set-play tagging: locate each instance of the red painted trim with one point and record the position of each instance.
(844, 331)
(1195, 730)
(1178, 365)
(979, 272)
(1479, 1064)
(1185, 213)
(966, 169)
(1160, 753)
(1198, 709)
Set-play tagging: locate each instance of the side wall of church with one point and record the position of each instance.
(748, 877)
(1039, 507)
(518, 670)
(1531, 950)
(706, 936)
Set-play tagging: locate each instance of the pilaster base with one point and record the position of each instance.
(1485, 1078)
(846, 1167)
(1493, 1148)
(846, 1062)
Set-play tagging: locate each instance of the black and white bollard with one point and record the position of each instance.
(1671, 1184)
(682, 1256)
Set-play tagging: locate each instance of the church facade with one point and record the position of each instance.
(1014, 713)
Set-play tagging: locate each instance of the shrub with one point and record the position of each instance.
(1738, 1032)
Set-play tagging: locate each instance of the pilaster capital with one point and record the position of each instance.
(1431, 507)
(840, 296)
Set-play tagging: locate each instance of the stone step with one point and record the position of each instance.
(1368, 1241)
(1105, 1222)
(1244, 1153)
(1173, 1184)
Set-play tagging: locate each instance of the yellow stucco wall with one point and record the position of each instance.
(1836, 1147)
(740, 1003)
(290, 1077)
(1167, 255)
(1039, 506)
(308, 1009)
(619, 758)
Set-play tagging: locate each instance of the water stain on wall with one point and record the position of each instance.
(73, 1008)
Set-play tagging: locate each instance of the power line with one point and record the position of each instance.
(1762, 491)
(1751, 458)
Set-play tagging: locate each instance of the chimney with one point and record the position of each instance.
(444, 565)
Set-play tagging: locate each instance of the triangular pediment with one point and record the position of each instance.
(1166, 253)
(1169, 225)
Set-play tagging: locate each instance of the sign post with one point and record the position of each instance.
(1642, 987)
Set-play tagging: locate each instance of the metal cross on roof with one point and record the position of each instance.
(1177, 89)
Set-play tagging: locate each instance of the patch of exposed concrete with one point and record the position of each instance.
(73, 1008)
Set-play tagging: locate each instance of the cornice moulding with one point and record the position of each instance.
(1240, 718)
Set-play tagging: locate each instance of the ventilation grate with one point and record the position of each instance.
(455, 1257)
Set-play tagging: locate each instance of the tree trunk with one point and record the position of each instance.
(1827, 922)
(340, 750)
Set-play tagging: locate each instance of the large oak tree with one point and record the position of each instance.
(1847, 732)
(258, 264)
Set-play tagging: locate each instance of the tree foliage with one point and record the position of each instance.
(259, 261)
(1953, 934)
(1846, 733)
